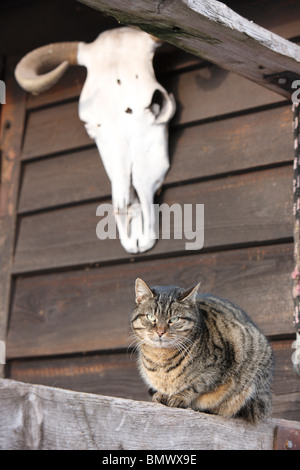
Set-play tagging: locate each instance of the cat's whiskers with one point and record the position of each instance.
(134, 345)
(181, 344)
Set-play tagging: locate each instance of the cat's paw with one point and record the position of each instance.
(177, 401)
(158, 397)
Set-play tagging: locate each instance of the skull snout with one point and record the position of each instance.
(135, 221)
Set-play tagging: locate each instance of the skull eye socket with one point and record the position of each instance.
(157, 103)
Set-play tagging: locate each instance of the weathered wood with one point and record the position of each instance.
(61, 419)
(280, 17)
(287, 405)
(280, 20)
(117, 375)
(58, 128)
(204, 150)
(212, 31)
(253, 207)
(75, 177)
(71, 311)
(54, 129)
(12, 123)
(67, 88)
(211, 91)
(231, 144)
(75, 21)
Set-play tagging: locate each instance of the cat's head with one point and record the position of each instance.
(165, 316)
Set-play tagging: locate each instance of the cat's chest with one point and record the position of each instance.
(165, 383)
(163, 373)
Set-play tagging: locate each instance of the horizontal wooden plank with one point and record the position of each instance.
(224, 146)
(213, 32)
(212, 91)
(197, 93)
(110, 374)
(67, 88)
(253, 207)
(117, 375)
(233, 144)
(70, 311)
(62, 419)
(287, 406)
(54, 129)
(65, 179)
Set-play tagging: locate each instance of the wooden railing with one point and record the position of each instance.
(40, 417)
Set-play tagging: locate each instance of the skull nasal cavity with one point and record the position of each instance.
(157, 102)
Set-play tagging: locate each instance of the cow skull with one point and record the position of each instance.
(125, 110)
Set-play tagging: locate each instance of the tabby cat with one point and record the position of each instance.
(202, 352)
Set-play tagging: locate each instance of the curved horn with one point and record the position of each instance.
(41, 68)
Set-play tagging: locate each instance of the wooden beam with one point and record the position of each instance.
(211, 30)
(40, 417)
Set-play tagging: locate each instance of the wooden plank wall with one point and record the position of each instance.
(231, 150)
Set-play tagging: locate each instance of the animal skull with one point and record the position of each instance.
(125, 110)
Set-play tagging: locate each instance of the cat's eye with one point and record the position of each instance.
(151, 317)
(173, 319)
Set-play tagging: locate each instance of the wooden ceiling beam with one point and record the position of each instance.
(211, 30)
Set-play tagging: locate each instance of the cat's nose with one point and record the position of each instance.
(160, 332)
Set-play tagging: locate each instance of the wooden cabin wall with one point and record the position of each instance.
(231, 149)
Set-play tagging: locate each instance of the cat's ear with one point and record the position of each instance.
(190, 294)
(142, 291)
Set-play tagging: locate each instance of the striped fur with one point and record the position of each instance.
(201, 352)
